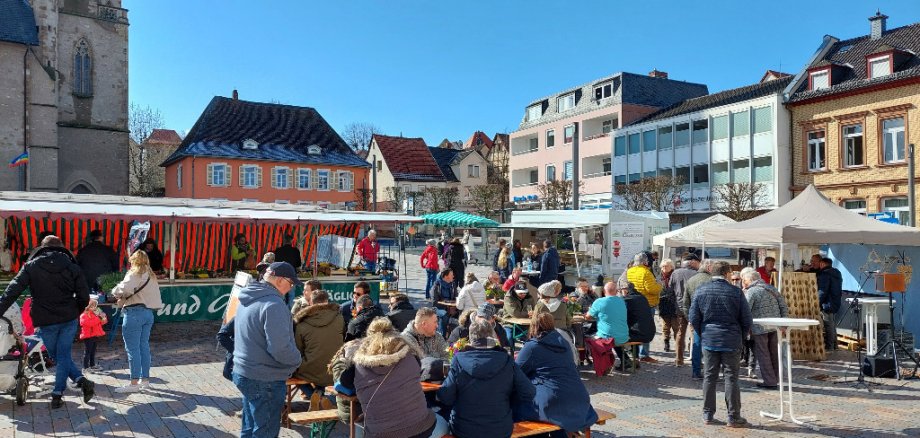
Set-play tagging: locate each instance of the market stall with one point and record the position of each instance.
(459, 219)
(195, 237)
(691, 235)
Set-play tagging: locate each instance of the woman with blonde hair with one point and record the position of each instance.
(504, 263)
(138, 296)
(386, 375)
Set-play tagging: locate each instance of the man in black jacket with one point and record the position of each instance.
(830, 285)
(96, 259)
(401, 311)
(59, 295)
(367, 311)
(288, 252)
(639, 317)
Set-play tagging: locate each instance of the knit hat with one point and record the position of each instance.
(486, 311)
(547, 289)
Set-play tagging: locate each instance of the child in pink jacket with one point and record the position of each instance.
(91, 321)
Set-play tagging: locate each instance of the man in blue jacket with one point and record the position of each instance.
(549, 263)
(264, 353)
(830, 285)
(721, 316)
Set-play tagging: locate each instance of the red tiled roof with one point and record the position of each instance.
(408, 158)
(478, 138)
(164, 136)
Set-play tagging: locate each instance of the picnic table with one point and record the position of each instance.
(426, 387)
(517, 330)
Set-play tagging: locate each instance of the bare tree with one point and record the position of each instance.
(739, 201)
(558, 194)
(395, 196)
(655, 193)
(358, 135)
(486, 199)
(142, 168)
(442, 198)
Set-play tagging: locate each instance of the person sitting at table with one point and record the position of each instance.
(584, 295)
(304, 300)
(318, 334)
(561, 397)
(482, 386)
(513, 279)
(486, 312)
(401, 311)
(612, 330)
(493, 286)
(386, 378)
(422, 334)
(639, 317)
(518, 304)
(549, 302)
(443, 291)
(472, 294)
(367, 311)
(349, 309)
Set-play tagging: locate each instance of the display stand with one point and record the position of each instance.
(784, 326)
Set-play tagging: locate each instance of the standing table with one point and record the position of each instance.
(784, 326)
(871, 317)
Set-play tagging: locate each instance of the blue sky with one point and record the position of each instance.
(444, 69)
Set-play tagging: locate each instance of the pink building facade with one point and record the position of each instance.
(542, 147)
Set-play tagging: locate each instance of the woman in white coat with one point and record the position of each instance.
(472, 294)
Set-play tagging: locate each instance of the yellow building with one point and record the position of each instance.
(852, 109)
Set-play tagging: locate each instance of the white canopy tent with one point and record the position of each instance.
(810, 218)
(690, 235)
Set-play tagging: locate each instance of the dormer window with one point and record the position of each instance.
(819, 80)
(534, 112)
(603, 91)
(879, 66)
(250, 144)
(566, 102)
(314, 150)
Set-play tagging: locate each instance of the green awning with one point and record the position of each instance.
(458, 219)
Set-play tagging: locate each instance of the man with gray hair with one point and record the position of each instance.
(721, 317)
(702, 277)
(422, 333)
(367, 250)
(764, 302)
(688, 268)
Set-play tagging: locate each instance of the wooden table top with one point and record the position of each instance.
(426, 387)
(516, 321)
(448, 303)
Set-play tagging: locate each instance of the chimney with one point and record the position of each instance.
(236, 95)
(878, 24)
(658, 74)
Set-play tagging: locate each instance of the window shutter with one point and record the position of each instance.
(274, 177)
(210, 174)
(229, 169)
(314, 179)
(242, 173)
(351, 181)
(258, 176)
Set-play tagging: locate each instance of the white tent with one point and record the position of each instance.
(810, 218)
(690, 235)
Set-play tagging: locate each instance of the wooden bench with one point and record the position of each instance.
(321, 422)
(531, 428)
(292, 389)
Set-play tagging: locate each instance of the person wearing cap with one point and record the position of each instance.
(678, 282)
(265, 354)
(643, 279)
(422, 333)
(485, 312)
(550, 303)
(429, 262)
(518, 304)
(96, 259)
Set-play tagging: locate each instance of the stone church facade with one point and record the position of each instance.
(64, 76)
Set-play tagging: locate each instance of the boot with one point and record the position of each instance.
(88, 388)
(56, 401)
(667, 345)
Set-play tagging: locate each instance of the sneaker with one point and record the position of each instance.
(56, 401)
(709, 420)
(128, 389)
(96, 368)
(737, 422)
(88, 388)
(697, 377)
(648, 359)
(761, 385)
(144, 384)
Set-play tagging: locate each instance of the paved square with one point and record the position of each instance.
(190, 398)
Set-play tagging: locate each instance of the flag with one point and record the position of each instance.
(20, 160)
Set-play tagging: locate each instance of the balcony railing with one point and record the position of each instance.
(597, 175)
(526, 151)
(527, 184)
(596, 136)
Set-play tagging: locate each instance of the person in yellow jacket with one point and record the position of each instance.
(643, 280)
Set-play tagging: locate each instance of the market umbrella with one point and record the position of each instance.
(458, 219)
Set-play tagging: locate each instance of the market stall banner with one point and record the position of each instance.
(203, 246)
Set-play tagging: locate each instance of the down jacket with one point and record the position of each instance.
(59, 290)
(318, 333)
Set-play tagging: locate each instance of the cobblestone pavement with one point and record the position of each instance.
(189, 397)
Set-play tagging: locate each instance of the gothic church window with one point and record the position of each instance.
(82, 70)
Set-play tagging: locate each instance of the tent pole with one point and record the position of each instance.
(781, 267)
(575, 252)
(405, 272)
(172, 251)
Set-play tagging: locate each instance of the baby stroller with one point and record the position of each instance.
(13, 356)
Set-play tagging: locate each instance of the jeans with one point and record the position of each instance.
(830, 330)
(715, 360)
(696, 355)
(370, 266)
(136, 331)
(58, 339)
(432, 278)
(89, 352)
(262, 404)
(644, 350)
(443, 321)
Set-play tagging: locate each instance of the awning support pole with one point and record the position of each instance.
(575, 252)
(779, 280)
(172, 251)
